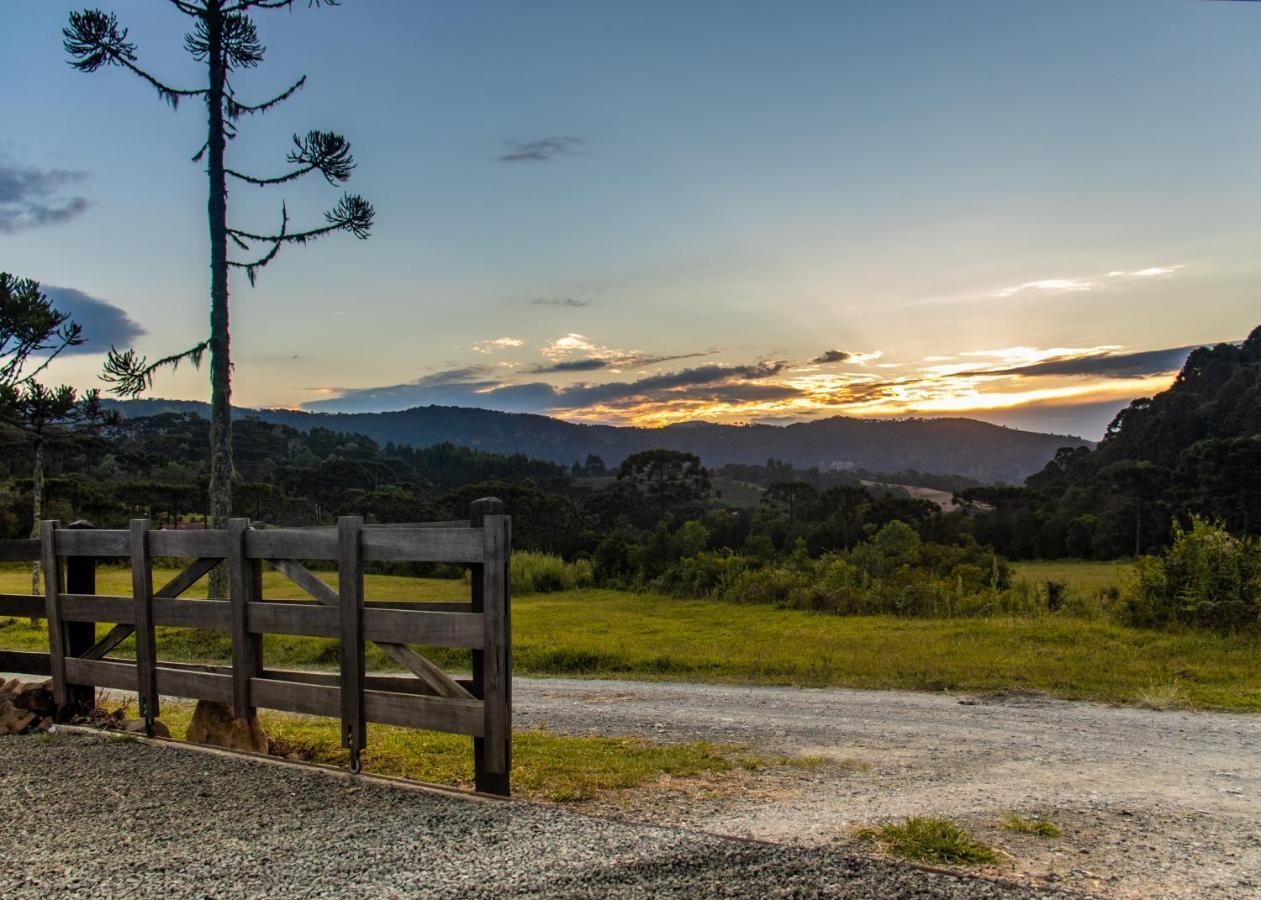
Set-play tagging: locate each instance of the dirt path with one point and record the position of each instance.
(1150, 803)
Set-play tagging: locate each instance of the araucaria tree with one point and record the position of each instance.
(224, 37)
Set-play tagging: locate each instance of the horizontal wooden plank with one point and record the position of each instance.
(29, 605)
(173, 681)
(454, 545)
(25, 663)
(450, 523)
(98, 608)
(420, 605)
(193, 543)
(307, 619)
(433, 629)
(20, 550)
(291, 543)
(93, 542)
(168, 611)
(408, 710)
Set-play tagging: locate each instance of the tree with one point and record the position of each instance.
(672, 480)
(31, 326)
(225, 39)
(796, 497)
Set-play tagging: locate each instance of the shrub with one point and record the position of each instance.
(544, 573)
(1207, 578)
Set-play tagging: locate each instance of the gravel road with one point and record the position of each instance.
(1151, 803)
(95, 816)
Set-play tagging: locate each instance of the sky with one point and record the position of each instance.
(660, 212)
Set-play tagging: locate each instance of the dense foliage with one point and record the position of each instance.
(1193, 450)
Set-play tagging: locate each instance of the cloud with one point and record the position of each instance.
(31, 197)
(1105, 365)
(831, 356)
(503, 343)
(104, 324)
(570, 302)
(540, 150)
(1085, 284)
(586, 364)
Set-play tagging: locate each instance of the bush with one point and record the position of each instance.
(1207, 578)
(544, 573)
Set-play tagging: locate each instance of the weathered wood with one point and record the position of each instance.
(31, 606)
(350, 592)
(93, 542)
(146, 640)
(174, 681)
(407, 710)
(305, 579)
(442, 684)
(303, 618)
(214, 615)
(433, 629)
(54, 585)
(291, 543)
(494, 657)
(24, 550)
(453, 545)
(420, 605)
(112, 639)
(246, 578)
(80, 636)
(191, 543)
(449, 523)
(491, 767)
(186, 579)
(28, 663)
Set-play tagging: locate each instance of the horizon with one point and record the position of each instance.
(1021, 214)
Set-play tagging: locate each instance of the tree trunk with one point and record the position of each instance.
(37, 507)
(220, 344)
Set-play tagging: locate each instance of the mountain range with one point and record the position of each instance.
(946, 446)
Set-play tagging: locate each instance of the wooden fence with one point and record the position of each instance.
(78, 662)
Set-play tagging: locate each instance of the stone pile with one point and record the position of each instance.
(25, 706)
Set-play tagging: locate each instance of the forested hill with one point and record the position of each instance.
(987, 453)
(1194, 449)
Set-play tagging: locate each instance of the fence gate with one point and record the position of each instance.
(78, 662)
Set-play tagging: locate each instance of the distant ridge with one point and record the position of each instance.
(955, 446)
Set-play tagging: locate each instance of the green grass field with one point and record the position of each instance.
(604, 633)
(1084, 576)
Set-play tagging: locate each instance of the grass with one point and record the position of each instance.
(545, 766)
(604, 633)
(1082, 576)
(931, 840)
(1041, 827)
(1163, 696)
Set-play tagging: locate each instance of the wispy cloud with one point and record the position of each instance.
(503, 343)
(540, 150)
(104, 324)
(1084, 284)
(570, 302)
(31, 197)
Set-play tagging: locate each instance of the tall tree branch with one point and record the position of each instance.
(132, 375)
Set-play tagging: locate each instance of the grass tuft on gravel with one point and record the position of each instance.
(1039, 826)
(930, 840)
(545, 766)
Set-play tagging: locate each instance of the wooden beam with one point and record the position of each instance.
(350, 594)
(186, 579)
(439, 681)
(93, 542)
(101, 648)
(80, 636)
(146, 640)
(305, 579)
(247, 646)
(54, 584)
(454, 545)
(21, 550)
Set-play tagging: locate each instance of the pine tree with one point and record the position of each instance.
(223, 37)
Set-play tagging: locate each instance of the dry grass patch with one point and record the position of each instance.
(931, 840)
(1039, 826)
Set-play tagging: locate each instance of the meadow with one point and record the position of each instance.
(616, 634)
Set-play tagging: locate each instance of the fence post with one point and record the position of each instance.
(492, 665)
(54, 584)
(146, 641)
(245, 577)
(80, 636)
(350, 596)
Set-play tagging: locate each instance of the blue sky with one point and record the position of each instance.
(699, 200)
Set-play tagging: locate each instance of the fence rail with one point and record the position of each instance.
(79, 661)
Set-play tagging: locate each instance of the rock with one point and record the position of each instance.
(34, 697)
(12, 719)
(213, 723)
(136, 726)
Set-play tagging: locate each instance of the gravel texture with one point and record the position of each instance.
(96, 816)
(1151, 803)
